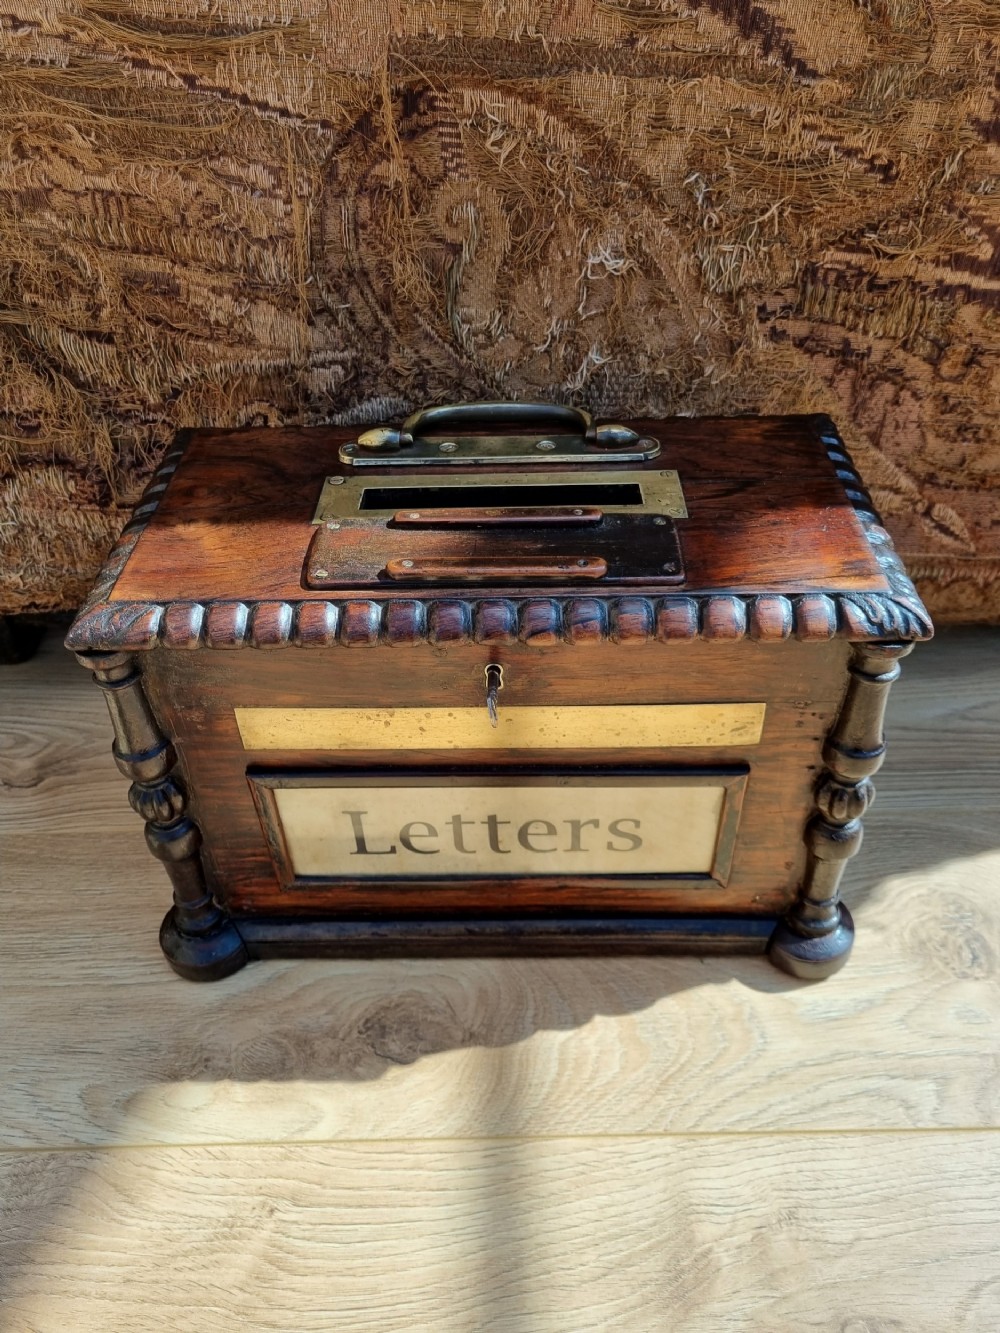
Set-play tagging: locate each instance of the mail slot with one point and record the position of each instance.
(554, 526)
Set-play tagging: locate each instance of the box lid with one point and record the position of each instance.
(781, 540)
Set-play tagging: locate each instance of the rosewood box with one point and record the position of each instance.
(502, 679)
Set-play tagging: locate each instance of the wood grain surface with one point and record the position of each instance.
(640, 1144)
(871, 1233)
(767, 513)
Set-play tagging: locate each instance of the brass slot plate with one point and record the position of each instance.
(341, 497)
(433, 450)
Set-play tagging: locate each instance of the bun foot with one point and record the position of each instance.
(812, 957)
(209, 957)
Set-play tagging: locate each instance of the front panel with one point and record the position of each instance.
(711, 750)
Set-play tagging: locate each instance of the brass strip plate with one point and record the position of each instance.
(429, 451)
(557, 727)
(340, 498)
(494, 569)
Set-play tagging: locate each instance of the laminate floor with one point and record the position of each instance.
(683, 1145)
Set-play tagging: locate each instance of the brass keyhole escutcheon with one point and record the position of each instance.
(494, 684)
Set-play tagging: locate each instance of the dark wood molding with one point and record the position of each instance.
(103, 625)
(816, 936)
(200, 941)
(484, 937)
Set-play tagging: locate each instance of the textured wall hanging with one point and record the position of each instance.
(263, 213)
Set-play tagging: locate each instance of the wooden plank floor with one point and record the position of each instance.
(612, 1144)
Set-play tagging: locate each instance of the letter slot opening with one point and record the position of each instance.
(602, 495)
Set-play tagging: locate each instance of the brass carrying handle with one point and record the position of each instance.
(492, 569)
(451, 416)
(472, 416)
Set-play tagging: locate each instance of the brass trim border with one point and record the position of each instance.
(541, 727)
(732, 779)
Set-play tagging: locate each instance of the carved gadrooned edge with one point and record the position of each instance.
(900, 614)
(119, 554)
(137, 626)
(105, 626)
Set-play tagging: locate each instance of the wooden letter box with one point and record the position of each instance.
(502, 679)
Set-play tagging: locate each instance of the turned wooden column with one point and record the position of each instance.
(816, 936)
(199, 940)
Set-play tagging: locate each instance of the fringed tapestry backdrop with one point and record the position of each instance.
(225, 211)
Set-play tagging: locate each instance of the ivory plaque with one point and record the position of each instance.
(639, 827)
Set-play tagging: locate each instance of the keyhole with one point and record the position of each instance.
(494, 684)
